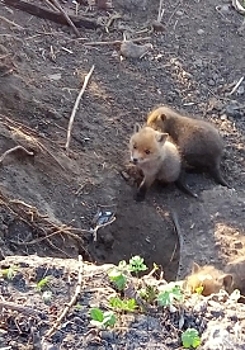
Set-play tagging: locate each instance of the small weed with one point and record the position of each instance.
(190, 338)
(43, 283)
(124, 305)
(170, 293)
(136, 264)
(118, 275)
(149, 293)
(78, 307)
(102, 319)
(10, 272)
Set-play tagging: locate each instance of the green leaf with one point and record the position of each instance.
(125, 305)
(190, 338)
(164, 298)
(118, 278)
(169, 294)
(10, 272)
(97, 314)
(43, 283)
(109, 319)
(136, 264)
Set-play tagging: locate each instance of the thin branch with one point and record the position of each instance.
(14, 149)
(181, 242)
(236, 86)
(12, 306)
(70, 304)
(10, 22)
(115, 42)
(69, 21)
(72, 117)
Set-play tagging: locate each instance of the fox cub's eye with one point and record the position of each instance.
(134, 146)
(147, 151)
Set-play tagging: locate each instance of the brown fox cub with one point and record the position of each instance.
(209, 278)
(199, 141)
(212, 279)
(156, 157)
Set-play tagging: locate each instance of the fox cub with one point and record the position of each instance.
(157, 158)
(199, 142)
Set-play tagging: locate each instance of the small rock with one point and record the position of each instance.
(179, 13)
(107, 335)
(238, 245)
(225, 9)
(198, 63)
(200, 31)
(232, 110)
(240, 90)
(131, 50)
(211, 82)
(200, 307)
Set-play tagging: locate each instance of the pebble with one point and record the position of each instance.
(179, 13)
(238, 245)
(200, 31)
(107, 335)
(211, 82)
(232, 110)
(240, 90)
(198, 63)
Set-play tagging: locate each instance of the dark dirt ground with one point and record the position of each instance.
(194, 64)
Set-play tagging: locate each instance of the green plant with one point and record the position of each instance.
(124, 305)
(170, 293)
(190, 338)
(102, 319)
(136, 264)
(10, 272)
(149, 293)
(118, 275)
(43, 283)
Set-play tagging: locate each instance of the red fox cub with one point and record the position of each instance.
(209, 278)
(212, 279)
(199, 141)
(157, 158)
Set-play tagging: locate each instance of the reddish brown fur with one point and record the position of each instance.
(210, 278)
(199, 141)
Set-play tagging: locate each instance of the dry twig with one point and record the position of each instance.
(115, 42)
(69, 21)
(12, 306)
(16, 148)
(181, 242)
(70, 304)
(72, 117)
(10, 22)
(236, 86)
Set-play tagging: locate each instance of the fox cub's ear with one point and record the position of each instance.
(195, 267)
(137, 127)
(163, 116)
(161, 137)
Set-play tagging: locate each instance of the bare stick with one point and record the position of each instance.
(11, 150)
(72, 117)
(181, 241)
(160, 12)
(49, 3)
(69, 21)
(236, 86)
(115, 42)
(70, 304)
(238, 7)
(12, 306)
(10, 22)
